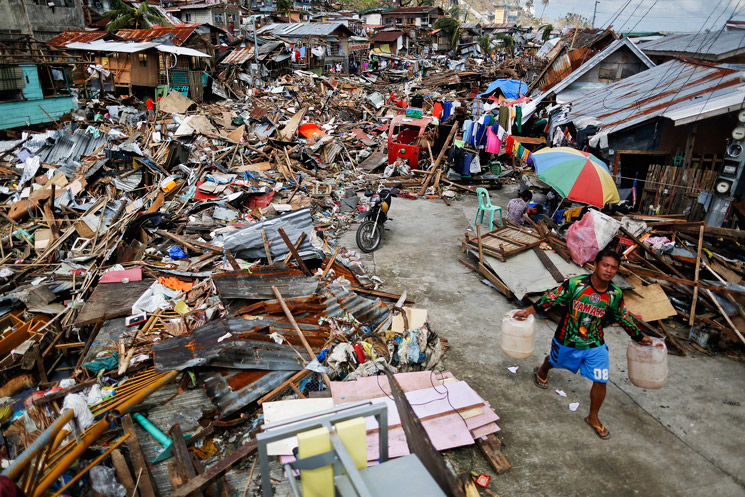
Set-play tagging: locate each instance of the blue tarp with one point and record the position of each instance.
(511, 88)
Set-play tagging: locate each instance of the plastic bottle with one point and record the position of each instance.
(647, 364)
(518, 335)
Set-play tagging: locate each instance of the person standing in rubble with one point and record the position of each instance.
(579, 341)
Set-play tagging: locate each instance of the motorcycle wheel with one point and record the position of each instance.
(369, 236)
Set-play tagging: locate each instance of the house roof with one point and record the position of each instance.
(63, 39)
(301, 29)
(411, 10)
(387, 36)
(180, 34)
(711, 45)
(124, 47)
(202, 5)
(682, 90)
(241, 55)
(597, 59)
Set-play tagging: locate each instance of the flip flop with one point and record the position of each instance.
(599, 430)
(539, 382)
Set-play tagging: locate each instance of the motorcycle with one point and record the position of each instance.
(370, 231)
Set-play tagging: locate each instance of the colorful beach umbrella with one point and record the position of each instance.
(576, 175)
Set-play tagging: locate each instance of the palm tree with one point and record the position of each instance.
(546, 28)
(508, 42)
(452, 26)
(124, 16)
(485, 45)
(284, 7)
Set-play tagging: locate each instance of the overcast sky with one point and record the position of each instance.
(665, 15)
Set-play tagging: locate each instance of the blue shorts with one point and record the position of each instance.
(591, 363)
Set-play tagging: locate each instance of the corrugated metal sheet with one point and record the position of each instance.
(712, 45)
(259, 282)
(179, 35)
(189, 52)
(301, 29)
(238, 56)
(233, 389)
(564, 65)
(597, 59)
(387, 36)
(66, 147)
(112, 46)
(666, 90)
(247, 243)
(240, 343)
(340, 300)
(63, 39)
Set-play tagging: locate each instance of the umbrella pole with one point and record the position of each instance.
(557, 207)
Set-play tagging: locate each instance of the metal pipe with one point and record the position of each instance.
(66, 461)
(93, 463)
(14, 470)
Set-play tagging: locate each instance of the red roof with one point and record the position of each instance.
(63, 39)
(180, 34)
(386, 36)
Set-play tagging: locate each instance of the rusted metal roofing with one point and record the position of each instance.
(711, 45)
(63, 39)
(564, 65)
(233, 389)
(597, 59)
(681, 90)
(179, 35)
(239, 56)
(240, 343)
(387, 36)
(259, 282)
(340, 300)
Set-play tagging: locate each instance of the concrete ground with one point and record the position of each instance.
(685, 439)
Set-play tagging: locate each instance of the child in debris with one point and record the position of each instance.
(519, 206)
(579, 341)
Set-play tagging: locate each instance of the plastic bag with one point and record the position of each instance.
(79, 406)
(588, 236)
(103, 481)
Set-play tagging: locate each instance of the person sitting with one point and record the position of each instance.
(519, 206)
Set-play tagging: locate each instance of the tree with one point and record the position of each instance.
(124, 16)
(452, 26)
(485, 44)
(284, 7)
(572, 20)
(508, 42)
(546, 31)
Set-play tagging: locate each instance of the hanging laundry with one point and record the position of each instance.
(447, 109)
(437, 110)
(519, 118)
(493, 143)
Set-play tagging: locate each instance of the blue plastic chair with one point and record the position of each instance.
(485, 205)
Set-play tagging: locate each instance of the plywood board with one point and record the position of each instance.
(524, 273)
(371, 387)
(415, 317)
(111, 300)
(649, 302)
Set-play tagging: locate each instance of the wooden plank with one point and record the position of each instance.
(294, 252)
(491, 448)
(266, 247)
(725, 316)
(215, 471)
(420, 444)
(141, 470)
(378, 293)
(123, 474)
(181, 456)
(696, 273)
(549, 265)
